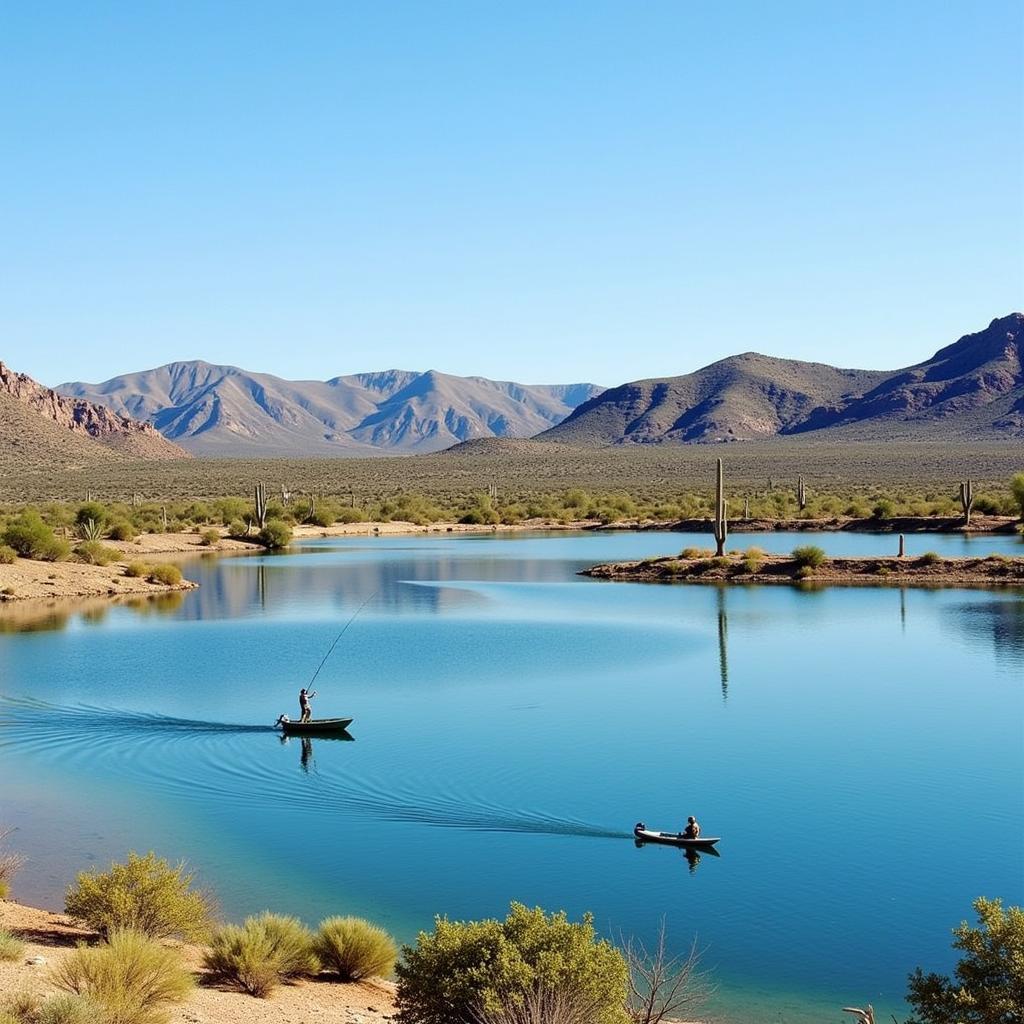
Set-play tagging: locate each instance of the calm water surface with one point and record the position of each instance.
(860, 750)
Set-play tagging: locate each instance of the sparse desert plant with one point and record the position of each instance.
(92, 552)
(662, 986)
(22, 1006)
(463, 969)
(69, 1009)
(210, 538)
(355, 949)
(121, 529)
(258, 955)
(930, 558)
(10, 864)
(753, 560)
(7, 554)
(90, 512)
(697, 553)
(6, 1017)
(238, 529)
(165, 573)
(809, 555)
(145, 895)
(136, 570)
(11, 947)
(32, 538)
(804, 572)
(275, 535)
(132, 978)
(1017, 490)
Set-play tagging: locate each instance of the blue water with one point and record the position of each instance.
(860, 750)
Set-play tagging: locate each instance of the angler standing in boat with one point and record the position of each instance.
(305, 696)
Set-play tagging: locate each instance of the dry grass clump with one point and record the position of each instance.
(145, 895)
(69, 1009)
(131, 978)
(809, 556)
(11, 947)
(209, 538)
(137, 570)
(697, 553)
(258, 955)
(92, 552)
(22, 1005)
(354, 949)
(169, 575)
(7, 554)
(930, 558)
(545, 1003)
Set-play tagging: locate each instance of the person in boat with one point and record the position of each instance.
(692, 830)
(305, 696)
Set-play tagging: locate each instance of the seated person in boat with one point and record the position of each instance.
(692, 830)
(304, 705)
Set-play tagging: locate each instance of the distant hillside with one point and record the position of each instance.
(973, 388)
(41, 428)
(224, 410)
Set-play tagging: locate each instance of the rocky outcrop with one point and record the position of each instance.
(132, 438)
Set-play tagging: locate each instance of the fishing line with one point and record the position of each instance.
(339, 636)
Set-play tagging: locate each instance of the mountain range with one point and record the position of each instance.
(973, 388)
(227, 411)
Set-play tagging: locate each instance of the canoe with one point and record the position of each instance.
(646, 835)
(316, 727)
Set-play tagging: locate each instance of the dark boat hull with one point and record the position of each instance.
(644, 835)
(316, 727)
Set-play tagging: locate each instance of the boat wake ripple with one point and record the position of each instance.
(245, 777)
(29, 713)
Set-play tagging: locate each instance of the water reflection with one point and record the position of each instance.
(997, 622)
(307, 762)
(723, 642)
(50, 615)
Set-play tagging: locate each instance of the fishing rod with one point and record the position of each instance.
(344, 628)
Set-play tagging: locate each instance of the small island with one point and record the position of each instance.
(810, 565)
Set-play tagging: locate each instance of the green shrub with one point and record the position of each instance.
(69, 1009)
(987, 986)
(347, 514)
(930, 558)
(210, 538)
(721, 562)
(92, 552)
(803, 572)
(809, 555)
(238, 529)
(91, 512)
(1017, 490)
(462, 968)
(133, 979)
(136, 570)
(7, 554)
(121, 529)
(165, 573)
(883, 509)
(262, 953)
(146, 895)
(355, 949)
(231, 510)
(32, 538)
(11, 947)
(275, 535)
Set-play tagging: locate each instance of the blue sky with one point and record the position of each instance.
(537, 191)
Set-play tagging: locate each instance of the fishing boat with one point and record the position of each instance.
(645, 835)
(314, 727)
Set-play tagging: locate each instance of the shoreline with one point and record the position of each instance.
(53, 936)
(772, 570)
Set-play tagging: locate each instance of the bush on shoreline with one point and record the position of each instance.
(464, 968)
(809, 556)
(145, 894)
(355, 949)
(261, 953)
(92, 552)
(165, 573)
(132, 978)
(30, 537)
(275, 535)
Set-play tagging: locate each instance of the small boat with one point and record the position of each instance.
(314, 727)
(645, 835)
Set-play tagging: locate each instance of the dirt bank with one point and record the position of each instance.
(28, 580)
(927, 571)
(52, 937)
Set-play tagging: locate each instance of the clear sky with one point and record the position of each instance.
(540, 191)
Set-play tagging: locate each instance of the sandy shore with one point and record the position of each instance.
(28, 580)
(993, 571)
(51, 937)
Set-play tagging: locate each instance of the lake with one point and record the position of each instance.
(860, 750)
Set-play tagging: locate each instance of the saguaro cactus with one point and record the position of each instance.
(721, 511)
(903, 546)
(801, 493)
(967, 499)
(260, 504)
